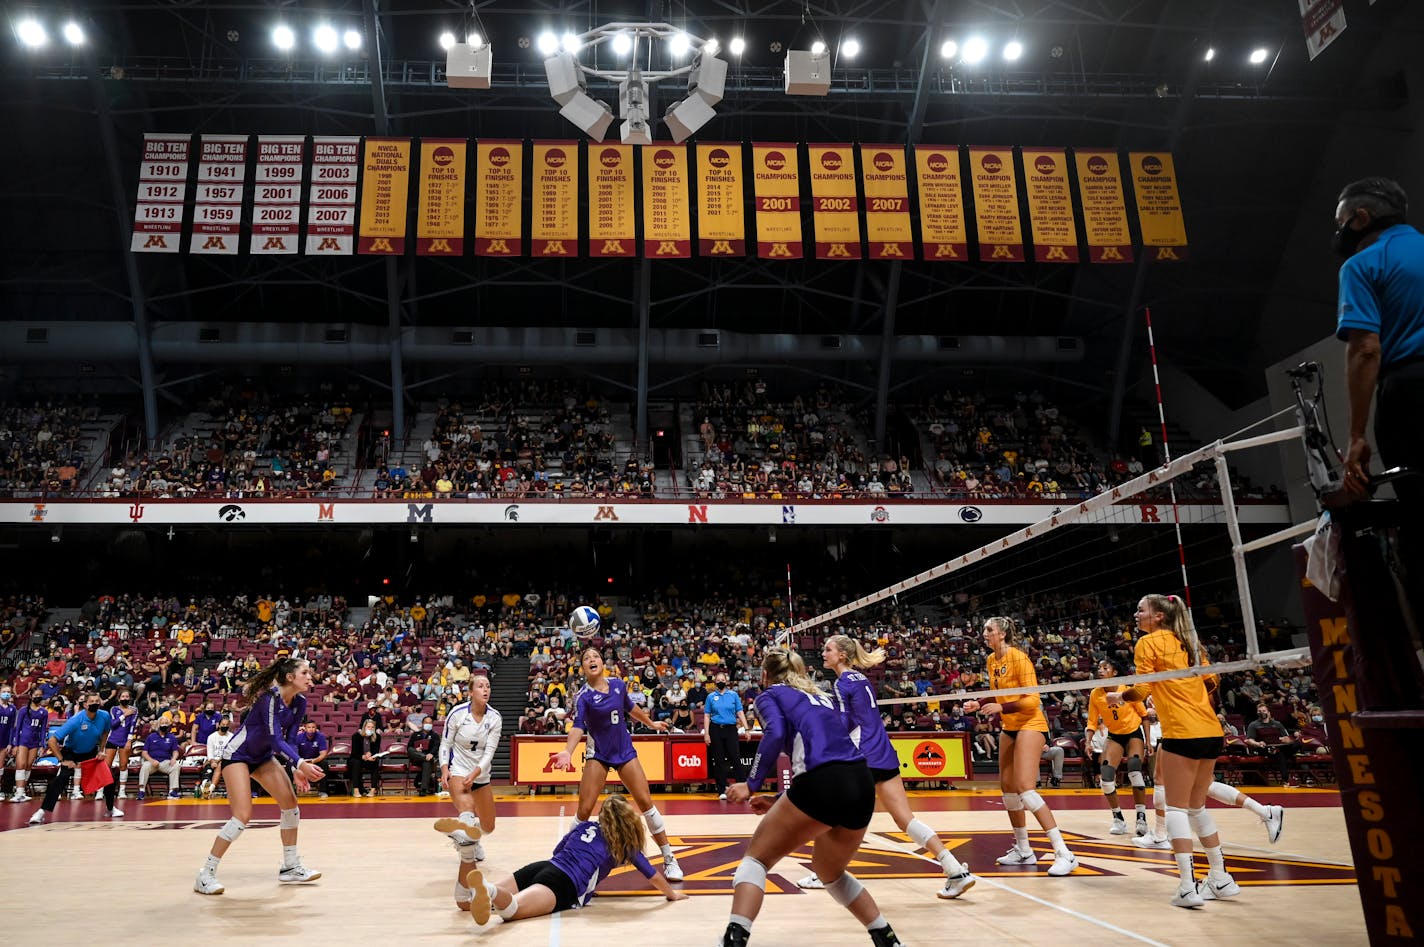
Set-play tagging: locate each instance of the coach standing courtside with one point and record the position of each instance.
(80, 738)
(723, 708)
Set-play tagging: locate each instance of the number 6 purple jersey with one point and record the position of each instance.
(603, 717)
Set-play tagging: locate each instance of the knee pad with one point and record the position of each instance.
(1179, 824)
(1107, 773)
(466, 853)
(654, 818)
(1032, 801)
(920, 832)
(1159, 797)
(21, 775)
(508, 911)
(1107, 786)
(1013, 801)
(1134, 776)
(1222, 793)
(1202, 822)
(845, 889)
(231, 829)
(750, 872)
(290, 818)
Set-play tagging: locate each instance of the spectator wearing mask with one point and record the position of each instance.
(160, 752)
(423, 752)
(312, 745)
(216, 742)
(363, 762)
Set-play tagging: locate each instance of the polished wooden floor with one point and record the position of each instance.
(387, 878)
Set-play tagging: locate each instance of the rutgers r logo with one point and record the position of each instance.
(155, 241)
(606, 513)
(1149, 514)
(381, 245)
(329, 243)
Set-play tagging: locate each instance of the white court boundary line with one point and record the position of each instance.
(555, 918)
(1069, 911)
(1293, 856)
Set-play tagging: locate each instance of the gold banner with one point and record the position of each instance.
(1104, 210)
(385, 191)
(996, 205)
(612, 217)
(721, 215)
(932, 757)
(835, 205)
(887, 202)
(667, 212)
(1159, 206)
(941, 203)
(440, 226)
(1050, 205)
(776, 182)
(499, 202)
(534, 757)
(555, 230)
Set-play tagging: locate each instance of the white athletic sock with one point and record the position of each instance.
(950, 864)
(1141, 810)
(123, 776)
(1184, 868)
(1117, 812)
(290, 858)
(878, 923)
(211, 865)
(1056, 837)
(1021, 838)
(1254, 807)
(1214, 859)
(741, 920)
(668, 852)
(469, 818)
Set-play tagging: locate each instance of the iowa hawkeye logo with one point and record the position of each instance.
(710, 861)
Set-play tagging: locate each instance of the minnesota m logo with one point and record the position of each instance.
(1056, 253)
(381, 245)
(837, 249)
(329, 243)
(721, 247)
(613, 248)
(155, 241)
(440, 245)
(1111, 253)
(1168, 253)
(214, 243)
(606, 513)
(498, 246)
(891, 249)
(779, 249)
(1002, 252)
(666, 248)
(555, 248)
(274, 243)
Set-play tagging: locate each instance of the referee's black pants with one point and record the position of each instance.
(60, 784)
(724, 755)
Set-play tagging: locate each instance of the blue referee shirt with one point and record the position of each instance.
(722, 706)
(1382, 291)
(80, 734)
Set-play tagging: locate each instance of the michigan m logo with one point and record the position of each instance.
(420, 514)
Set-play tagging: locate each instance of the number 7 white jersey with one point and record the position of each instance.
(468, 743)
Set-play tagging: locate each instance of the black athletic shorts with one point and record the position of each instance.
(549, 875)
(837, 794)
(1123, 739)
(1194, 748)
(883, 774)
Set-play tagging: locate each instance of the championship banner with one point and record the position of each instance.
(385, 189)
(440, 224)
(887, 202)
(612, 219)
(331, 216)
(555, 225)
(1104, 210)
(1159, 207)
(996, 205)
(277, 194)
(941, 203)
(667, 212)
(1323, 20)
(721, 208)
(499, 198)
(162, 187)
(942, 756)
(776, 182)
(1050, 205)
(217, 212)
(835, 205)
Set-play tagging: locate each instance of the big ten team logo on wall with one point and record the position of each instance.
(883, 161)
(1151, 164)
(663, 158)
(719, 158)
(1097, 164)
(880, 515)
(499, 156)
(991, 163)
(1044, 164)
(443, 155)
(937, 163)
(555, 158)
(38, 513)
(774, 160)
(832, 160)
(609, 158)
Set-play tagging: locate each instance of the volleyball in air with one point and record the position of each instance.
(584, 621)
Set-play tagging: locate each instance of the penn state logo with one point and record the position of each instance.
(971, 514)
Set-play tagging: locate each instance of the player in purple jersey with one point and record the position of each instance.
(831, 799)
(584, 857)
(602, 710)
(8, 713)
(31, 730)
(844, 656)
(121, 735)
(261, 749)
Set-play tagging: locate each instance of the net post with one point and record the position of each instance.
(1238, 555)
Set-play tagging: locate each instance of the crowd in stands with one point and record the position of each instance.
(40, 448)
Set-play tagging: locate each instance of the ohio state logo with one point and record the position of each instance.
(775, 160)
(883, 161)
(663, 158)
(719, 158)
(442, 155)
(831, 160)
(937, 163)
(991, 163)
(609, 157)
(499, 157)
(1043, 164)
(555, 157)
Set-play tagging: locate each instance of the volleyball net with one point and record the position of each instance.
(1072, 582)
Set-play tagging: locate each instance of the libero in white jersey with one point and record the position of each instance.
(467, 746)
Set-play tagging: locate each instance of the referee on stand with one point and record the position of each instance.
(81, 738)
(723, 708)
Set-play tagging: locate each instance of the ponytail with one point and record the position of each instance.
(856, 656)
(278, 672)
(784, 666)
(1177, 620)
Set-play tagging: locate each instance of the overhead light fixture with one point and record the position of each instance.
(283, 37)
(565, 78)
(588, 113)
(622, 44)
(633, 107)
(711, 47)
(1258, 56)
(31, 33)
(474, 40)
(808, 72)
(570, 43)
(975, 49)
(548, 43)
(1013, 50)
(948, 48)
(737, 46)
(467, 65)
(678, 45)
(325, 39)
(447, 39)
(708, 78)
(73, 34)
(817, 48)
(1210, 54)
(684, 118)
(352, 39)
(850, 48)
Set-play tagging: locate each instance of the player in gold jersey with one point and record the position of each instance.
(1025, 731)
(1124, 739)
(1191, 740)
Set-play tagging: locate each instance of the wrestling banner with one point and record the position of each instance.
(835, 205)
(776, 182)
(941, 203)
(721, 213)
(499, 198)
(555, 224)
(1050, 205)
(1159, 207)
(385, 189)
(162, 187)
(667, 223)
(217, 211)
(612, 219)
(440, 224)
(277, 194)
(1104, 211)
(996, 205)
(887, 202)
(331, 199)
